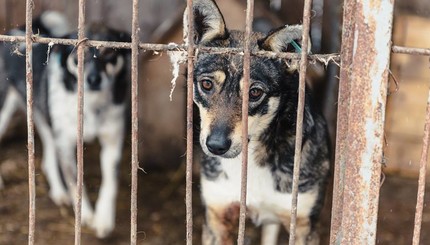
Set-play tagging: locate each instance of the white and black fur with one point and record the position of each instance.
(106, 81)
(272, 114)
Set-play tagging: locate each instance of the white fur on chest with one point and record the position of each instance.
(264, 201)
(98, 107)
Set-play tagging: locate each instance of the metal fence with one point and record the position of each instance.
(366, 36)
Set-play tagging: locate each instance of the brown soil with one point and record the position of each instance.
(161, 206)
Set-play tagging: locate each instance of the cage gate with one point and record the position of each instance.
(364, 59)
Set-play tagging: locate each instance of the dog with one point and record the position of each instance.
(106, 82)
(273, 99)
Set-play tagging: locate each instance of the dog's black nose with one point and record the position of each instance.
(94, 80)
(218, 144)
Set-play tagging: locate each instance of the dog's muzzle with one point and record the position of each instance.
(218, 144)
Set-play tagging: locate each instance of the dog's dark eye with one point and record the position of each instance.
(207, 85)
(255, 94)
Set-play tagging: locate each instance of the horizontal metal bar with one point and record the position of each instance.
(324, 58)
(412, 51)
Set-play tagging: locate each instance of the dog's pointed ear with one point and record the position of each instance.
(284, 39)
(209, 23)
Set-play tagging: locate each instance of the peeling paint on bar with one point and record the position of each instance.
(30, 122)
(80, 129)
(369, 75)
(299, 123)
(245, 106)
(422, 178)
(134, 121)
(190, 92)
(342, 120)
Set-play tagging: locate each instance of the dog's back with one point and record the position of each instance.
(49, 24)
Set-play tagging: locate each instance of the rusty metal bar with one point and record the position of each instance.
(245, 105)
(190, 92)
(422, 178)
(324, 58)
(299, 124)
(80, 129)
(134, 120)
(413, 51)
(30, 122)
(342, 119)
(369, 78)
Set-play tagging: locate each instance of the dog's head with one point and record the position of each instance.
(218, 80)
(104, 67)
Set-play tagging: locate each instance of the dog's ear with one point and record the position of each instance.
(209, 23)
(122, 36)
(284, 39)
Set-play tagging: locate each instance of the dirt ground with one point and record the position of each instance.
(161, 205)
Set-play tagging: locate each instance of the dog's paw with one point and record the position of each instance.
(60, 197)
(103, 226)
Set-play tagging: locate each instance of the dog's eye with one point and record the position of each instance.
(255, 94)
(207, 85)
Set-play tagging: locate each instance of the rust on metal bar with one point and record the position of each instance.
(30, 122)
(324, 58)
(342, 119)
(299, 124)
(190, 92)
(422, 178)
(245, 105)
(134, 120)
(368, 92)
(412, 51)
(80, 129)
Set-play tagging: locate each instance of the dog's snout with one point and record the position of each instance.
(94, 80)
(218, 144)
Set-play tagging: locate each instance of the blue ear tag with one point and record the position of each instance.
(296, 46)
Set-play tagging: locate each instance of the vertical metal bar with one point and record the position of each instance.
(369, 76)
(134, 120)
(245, 105)
(422, 178)
(80, 129)
(342, 118)
(190, 92)
(299, 124)
(30, 122)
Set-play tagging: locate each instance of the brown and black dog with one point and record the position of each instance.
(272, 114)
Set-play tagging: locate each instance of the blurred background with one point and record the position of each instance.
(162, 123)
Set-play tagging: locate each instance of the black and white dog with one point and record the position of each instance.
(272, 114)
(55, 110)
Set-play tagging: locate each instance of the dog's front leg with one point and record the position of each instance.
(66, 148)
(220, 225)
(111, 140)
(57, 190)
(270, 233)
(304, 233)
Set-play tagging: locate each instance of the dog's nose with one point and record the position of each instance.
(218, 144)
(94, 80)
